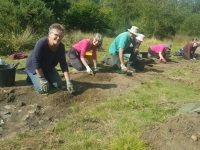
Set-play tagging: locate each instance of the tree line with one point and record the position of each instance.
(155, 18)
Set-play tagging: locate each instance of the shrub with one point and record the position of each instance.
(18, 18)
(14, 42)
(191, 25)
(87, 16)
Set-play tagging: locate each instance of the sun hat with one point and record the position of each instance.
(168, 46)
(134, 30)
(140, 37)
(195, 44)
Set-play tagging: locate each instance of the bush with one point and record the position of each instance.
(14, 42)
(191, 25)
(8, 21)
(87, 16)
(18, 18)
(33, 14)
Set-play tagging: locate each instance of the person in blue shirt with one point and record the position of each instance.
(119, 46)
(47, 53)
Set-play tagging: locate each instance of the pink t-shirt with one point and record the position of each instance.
(158, 48)
(83, 46)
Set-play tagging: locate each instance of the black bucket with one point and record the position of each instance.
(7, 75)
(139, 64)
(144, 54)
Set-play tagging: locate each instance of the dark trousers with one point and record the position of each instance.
(133, 56)
(115, 62)
(74, 60)
(189, 55)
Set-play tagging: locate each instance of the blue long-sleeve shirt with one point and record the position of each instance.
(46, 59)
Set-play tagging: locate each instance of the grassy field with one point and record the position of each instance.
(116, 123)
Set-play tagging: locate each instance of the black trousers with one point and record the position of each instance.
(74, 60)
(133, 56)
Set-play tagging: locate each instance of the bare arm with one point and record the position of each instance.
(66, 75)
(161, 57)
(95, 63)
(121, 58)
(84, 62)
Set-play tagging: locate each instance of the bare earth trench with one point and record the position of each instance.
(23, 110)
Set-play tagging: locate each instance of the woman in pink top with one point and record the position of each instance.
(78, 51)
(160, 51)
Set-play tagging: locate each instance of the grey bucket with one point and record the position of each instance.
(7, 75)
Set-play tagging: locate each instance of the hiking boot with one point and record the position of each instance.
(130, 68)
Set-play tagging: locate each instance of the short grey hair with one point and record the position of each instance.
(98, 37)
(58, 27)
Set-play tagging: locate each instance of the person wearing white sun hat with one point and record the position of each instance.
(140, 39)
(133, 50)
(118, 47)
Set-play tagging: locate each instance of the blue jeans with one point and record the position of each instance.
(52, 77)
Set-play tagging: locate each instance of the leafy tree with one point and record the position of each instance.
(125, 12)
(33, 14)
(8, 19)
(87, 16)
(191, 25)
(159, 19)
(58, 8)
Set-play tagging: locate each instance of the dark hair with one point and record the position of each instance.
(194, 39)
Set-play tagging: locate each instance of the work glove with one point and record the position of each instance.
(89, 70)
(70, 86)
(44, 84)
(123, 67)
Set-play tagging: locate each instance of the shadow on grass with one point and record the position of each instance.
(81, 87)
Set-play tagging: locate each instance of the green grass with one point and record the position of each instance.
(118, 122)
